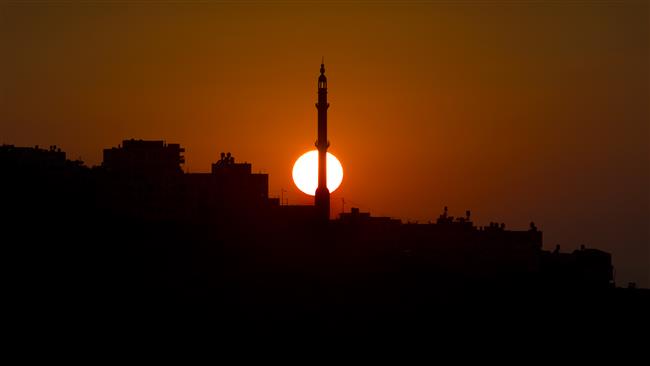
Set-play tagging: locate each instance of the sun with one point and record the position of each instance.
(305, 172)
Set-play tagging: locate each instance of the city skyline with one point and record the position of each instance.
(544, 104)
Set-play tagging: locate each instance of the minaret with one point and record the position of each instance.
(322, 199)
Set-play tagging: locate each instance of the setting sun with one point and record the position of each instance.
(305, 172)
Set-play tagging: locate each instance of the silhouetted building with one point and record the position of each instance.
(583, 268)
(451, 247)
(144, 179)
(34, 157)
(144, 158)
(356, 217)
(322, 197)
(229, 186)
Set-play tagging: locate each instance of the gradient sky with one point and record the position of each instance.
(517, 111)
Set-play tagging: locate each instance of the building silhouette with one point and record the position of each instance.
(144, 158)
(145, 179)
(322, 196)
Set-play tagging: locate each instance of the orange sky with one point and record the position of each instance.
(519, 112)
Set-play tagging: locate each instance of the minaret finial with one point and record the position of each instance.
(322, 65)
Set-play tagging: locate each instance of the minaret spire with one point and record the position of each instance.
(322, 199)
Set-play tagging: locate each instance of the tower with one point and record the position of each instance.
(322, 199)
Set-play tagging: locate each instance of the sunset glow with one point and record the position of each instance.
(305, 172)
(519, 111)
